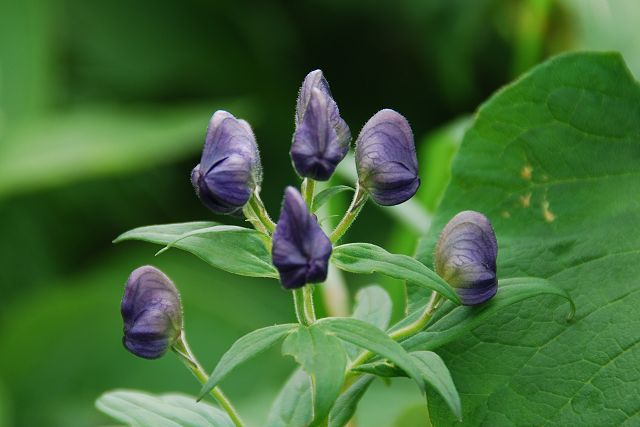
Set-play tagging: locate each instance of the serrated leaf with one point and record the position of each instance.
(322, 357)
(365, 258)
(373, 339)
(234, 249)
(140, 409)
(346, 405)
(244, 349)
(323, 197)
(373, 305)
(455, 321)
(552, 161)
(293, 406)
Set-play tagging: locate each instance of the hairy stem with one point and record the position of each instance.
(359, 199)
(303, 303)
(261, 214)
(308, 187)
(182, 349)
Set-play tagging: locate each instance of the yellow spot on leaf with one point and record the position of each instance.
(546, 213)
(526, 172)
(505, 214)
(525, 200)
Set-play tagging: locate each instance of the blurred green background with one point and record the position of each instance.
(103, 109)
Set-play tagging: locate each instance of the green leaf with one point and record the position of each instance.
(139, 409)
(237, 250)
(346, 405)
(373, 339)
(552, 160)
(365, 258)
(373, 305)
(323, 197)
(293, 406)
(244, 349)
(321, 355)
(436, 374)
(459, 320)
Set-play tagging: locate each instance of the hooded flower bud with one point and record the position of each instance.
(301, 250)
(321, 139)
(386, 159)
(151, 312)
(229, 169)
(466, 257)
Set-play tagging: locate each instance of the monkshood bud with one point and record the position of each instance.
(465, 257)
(386, 159)
(230, 168)
(301, 250)
(321, 139)
(151, 312)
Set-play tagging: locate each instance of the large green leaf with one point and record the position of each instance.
(554, 161)
(321, 355)
(437, 375)
(234, 249)
(244, 349)
(454, 321)
(139, 409)
(373, 339)
(365, 258)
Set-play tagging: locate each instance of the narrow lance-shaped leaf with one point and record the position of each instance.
(437, 375)
(142, 409)
(244, 349)
(321, 355)
(459, 320)
(234, 249)
(373, 339)
(365, 258)
(293, 407)
(346, 405)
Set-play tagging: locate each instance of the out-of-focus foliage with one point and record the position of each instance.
(103, 109)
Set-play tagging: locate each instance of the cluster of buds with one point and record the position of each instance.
(229, 176)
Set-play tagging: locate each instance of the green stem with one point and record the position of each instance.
(308, 187)
(405, 332)
(261, 212)
(182, 349)
(359, 199)
(303, 303)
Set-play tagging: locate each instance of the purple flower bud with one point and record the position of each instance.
(386, 159)
(151, 312)
(301, 250)
(321, 139)
(466, 255)
(229, 169)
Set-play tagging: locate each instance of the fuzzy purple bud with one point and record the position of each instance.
(301, 250)
(230, 168)
(386, 159)
(321, 139)
(466, 255)
(151, 312)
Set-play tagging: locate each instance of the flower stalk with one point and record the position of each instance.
(357, 203)
(182, 349)
(303, 303)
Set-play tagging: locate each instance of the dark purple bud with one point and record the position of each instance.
(229, 169)
(466, 255)
(386, 159)
(151, 312)
(321, 139)
(301, 250)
